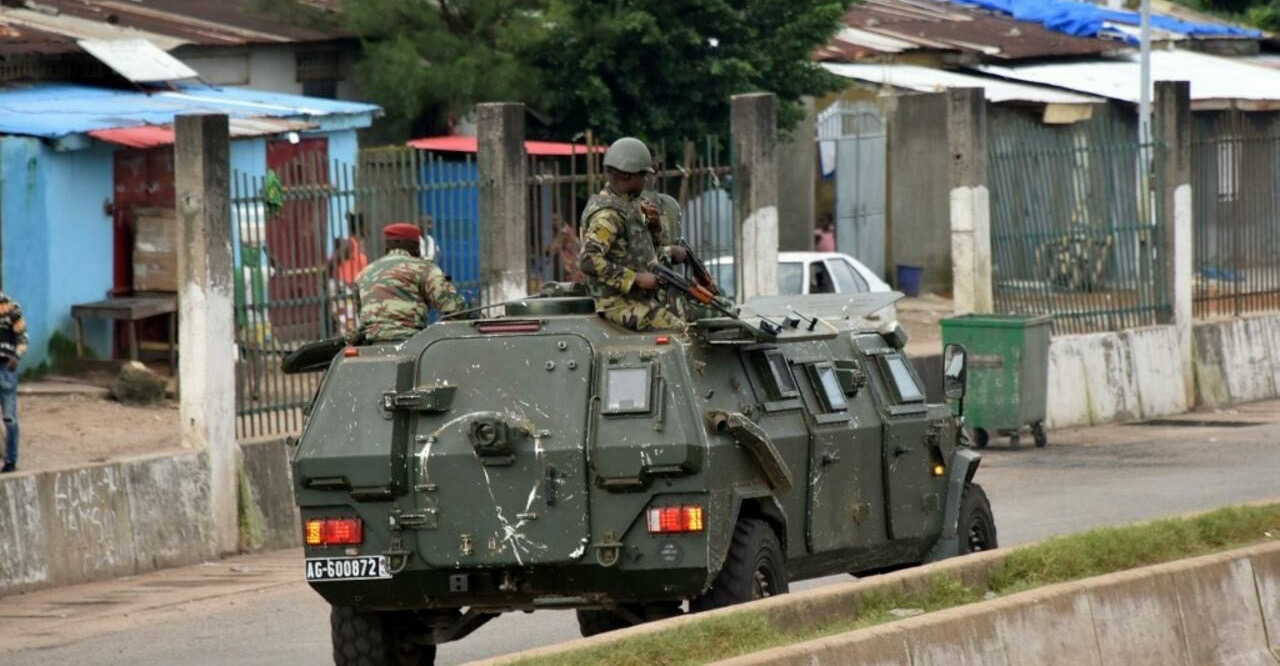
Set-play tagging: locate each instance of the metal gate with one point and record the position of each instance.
(855, 133)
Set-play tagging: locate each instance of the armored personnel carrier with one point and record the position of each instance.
(547, 459)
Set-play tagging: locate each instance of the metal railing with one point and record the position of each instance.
(302, 234)
(693, 173)
(1073, 234)
(1235, 163)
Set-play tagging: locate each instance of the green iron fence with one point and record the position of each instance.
(1235, 159)
(1074, 224)
(302, 232)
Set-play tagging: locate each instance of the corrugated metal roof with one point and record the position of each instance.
(150, 136)
(53, 26)
(138, 60)
(57, 110)
(928, 79)
(1215, 82)
(895, 26)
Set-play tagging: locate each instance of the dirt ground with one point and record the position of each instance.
(68, 421)
(72, 430)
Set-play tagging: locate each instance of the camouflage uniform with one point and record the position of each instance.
(617, 245)
(665, 238)
(669, 214)
(395, 292)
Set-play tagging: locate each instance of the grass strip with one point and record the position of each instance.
(1061, 559)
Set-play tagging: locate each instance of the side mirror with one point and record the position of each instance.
(955, 371)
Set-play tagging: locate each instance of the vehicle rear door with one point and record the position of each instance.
(502, 474)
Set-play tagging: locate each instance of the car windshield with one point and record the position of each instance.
(790, 277)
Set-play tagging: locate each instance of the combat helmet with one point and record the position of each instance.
(629, 155)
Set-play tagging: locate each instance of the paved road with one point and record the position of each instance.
(253, 610)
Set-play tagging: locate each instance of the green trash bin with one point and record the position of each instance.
(1008, 382)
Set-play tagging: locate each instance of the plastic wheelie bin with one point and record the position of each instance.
(1008, 381)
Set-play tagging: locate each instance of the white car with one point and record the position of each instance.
(810, 273)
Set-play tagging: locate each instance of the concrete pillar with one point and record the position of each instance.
(918, 198)
(797, 172)
(504, 211)
(1171, 127)
(206, 366)
(753, 123)
(970, 205)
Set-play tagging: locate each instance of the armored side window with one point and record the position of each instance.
(828, 386)
(904, 383)
(627, 390)
(784, 384)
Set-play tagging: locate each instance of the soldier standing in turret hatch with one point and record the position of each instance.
(395, 292)
(618, 248)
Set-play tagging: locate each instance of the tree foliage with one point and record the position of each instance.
(666, 70)
(428, 60)
(661, 70)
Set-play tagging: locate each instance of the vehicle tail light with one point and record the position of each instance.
(663, 340)
(675, 519)
(350, 351)
(334, 532)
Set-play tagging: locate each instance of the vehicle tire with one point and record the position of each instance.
(981, 438)
(372, 639)
(754, 568)
(1037, 432)
(976, 527)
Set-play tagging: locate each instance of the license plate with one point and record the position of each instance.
(369, 567)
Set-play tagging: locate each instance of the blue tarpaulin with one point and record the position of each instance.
(55, 110)
(1081, 19)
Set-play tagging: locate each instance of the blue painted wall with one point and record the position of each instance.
(77, 184)
(57, 239)
(25, 237)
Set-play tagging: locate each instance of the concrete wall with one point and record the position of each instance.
(271, 68)
(1237, 360)
(1137, 374)
(797, 169)
(918, 205)
(63, 527)
(1108, 377)
(1219, 609)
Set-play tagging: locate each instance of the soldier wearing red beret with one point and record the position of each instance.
(397, 291)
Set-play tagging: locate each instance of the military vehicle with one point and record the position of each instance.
(544, 458)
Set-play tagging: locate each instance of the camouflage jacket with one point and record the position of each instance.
(617, 244)
(13, 329)
(394, 293)
(670, 215)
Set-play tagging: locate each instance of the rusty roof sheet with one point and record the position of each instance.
(879, 27)
(53, 26)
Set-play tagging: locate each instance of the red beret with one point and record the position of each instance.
(402, 231)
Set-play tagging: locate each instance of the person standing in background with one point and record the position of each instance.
(13, 344)
(824, 237)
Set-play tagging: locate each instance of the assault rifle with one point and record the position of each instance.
(701, 294)
(694, 291)
(700, 273)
